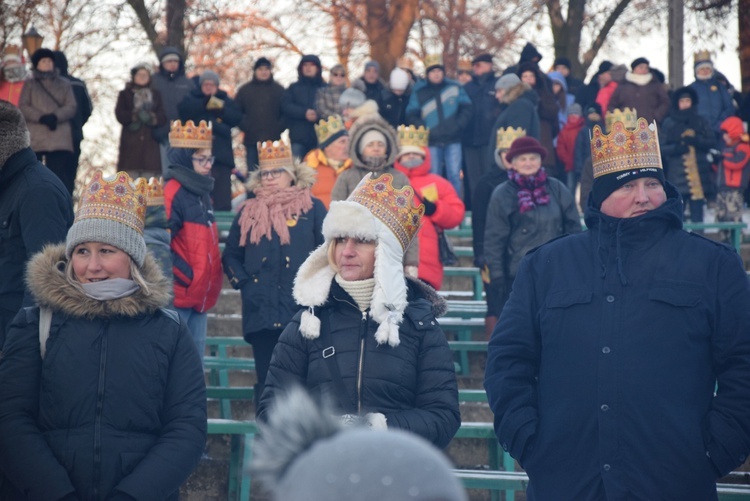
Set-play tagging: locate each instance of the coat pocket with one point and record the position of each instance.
(129, 461)
(681, 309)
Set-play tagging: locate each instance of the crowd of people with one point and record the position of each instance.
(336, 249)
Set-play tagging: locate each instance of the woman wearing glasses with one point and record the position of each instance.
(274, 232)
(195, 238)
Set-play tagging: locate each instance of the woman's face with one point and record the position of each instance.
(96, 261)
(528, 77)
(527, 164)
(339, 149)
(355, 258)
(276, 178)
(203, 161)
(374, 149)
(141, 77)
(45, 64)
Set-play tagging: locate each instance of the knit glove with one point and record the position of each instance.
(429, 207)
(50, 120)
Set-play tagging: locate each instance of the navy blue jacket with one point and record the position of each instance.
(602, 368)
(193, 107)
(481, 91)
(297, 99)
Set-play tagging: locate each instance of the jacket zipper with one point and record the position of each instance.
(99, 408)
(360, 366)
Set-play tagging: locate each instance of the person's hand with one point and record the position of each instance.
(311, 116)
(429, 207)
(144, 116)
(50, 120)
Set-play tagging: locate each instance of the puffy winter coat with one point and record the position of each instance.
(519, 111)
(139, 149)
(566, 141)
(609, 351)
(714, 102)
(444, 108)
(479, 203)
(393, 107)
(650, 100)
(412, 384)
(117, 406)
(297, 99)
(259, 102)
(44, 95)
(195, 240)
(173, 88)
(449, 212)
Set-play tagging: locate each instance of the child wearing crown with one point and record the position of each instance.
(330, 158)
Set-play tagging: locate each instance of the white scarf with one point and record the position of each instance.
(113, 288)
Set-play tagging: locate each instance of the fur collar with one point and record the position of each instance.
(45, 277)
(515, 92)
(360, 128)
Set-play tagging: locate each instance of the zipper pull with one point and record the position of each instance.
(364, 315)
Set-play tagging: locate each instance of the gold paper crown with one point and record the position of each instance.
(394, 208)
(189, 135)
(506, 136)
(119, 199)
(155, 193)
(325, 129)
(405, 63)
(272, 154)
(624, 149)
(702, 56)
(627, 116)
(464, 64)
(412, 136)
(433, 60)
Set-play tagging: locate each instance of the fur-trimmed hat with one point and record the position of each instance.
(378, 212)
(41, 54)
(14, 135)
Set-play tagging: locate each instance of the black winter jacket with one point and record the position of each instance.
(35, 209)
(393, 108)
(117, 405)
(297, 99)
(193, 107)
(260, 105)
(481, 91)
(480, 203)
(412, 384)
(519, 110)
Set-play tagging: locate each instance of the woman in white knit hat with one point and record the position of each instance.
(102, 389)
(367, 338)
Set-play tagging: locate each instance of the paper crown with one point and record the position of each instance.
(624, 148)
(431, 60)
(627, 116)
(189, 135)
(155, 193)
(464, 64)
(393, 207)
(506, 136)
(327, 129)
(702, 56)
(405, 63)
(412, 136)
(272, 154)
(11, 52)
(119, 199)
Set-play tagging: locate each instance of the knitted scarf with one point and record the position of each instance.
(270, 210)
(531, 189)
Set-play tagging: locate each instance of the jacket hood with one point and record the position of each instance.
(14, 135)
(528, 53)
(361, 126)
(421, 170)
(310, 58)
(558, 77)
(46, 280)
(418, 289)
(684, 92)
(61, 62)
(304, 176)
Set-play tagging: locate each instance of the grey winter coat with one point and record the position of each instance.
(44, 95)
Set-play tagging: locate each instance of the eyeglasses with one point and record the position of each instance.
(204, 160)
(272, 173)
(338, 74)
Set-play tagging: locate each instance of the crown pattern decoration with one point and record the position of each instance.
(464, 64)
(119, 199)
(624, 148)
(272, 154)
(506, 136)
(413, 136)
(627, 116)
(702, 56)
(189, 135)
(393, 207)
(155, 192)
(433, 60)
(328, 128)
(405, 63)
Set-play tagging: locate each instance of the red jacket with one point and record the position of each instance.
(566, 141)
(449, 212)
(195, 248)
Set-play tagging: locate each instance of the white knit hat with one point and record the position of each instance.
(399, 79)
(374, 211)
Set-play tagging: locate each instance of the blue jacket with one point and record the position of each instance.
(481, 91)
(714, 102)
(444, 108)
(602, 368)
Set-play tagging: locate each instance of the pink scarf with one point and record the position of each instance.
(270, 210)
(531, 191)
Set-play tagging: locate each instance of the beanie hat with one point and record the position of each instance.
(14, 136)
(368, 137)
(209, 75)
(505, 82)
(604, 67)
(594, 108)
(170, 56)
(523, 145)
(637, 61)
(111, 211)
(574, 109)
(399, 79)
(562, 61)
(374, 211)
(41, 54)
(624, 155)
(482, 58)
(372, 64)
(262, 61)
(352, 98)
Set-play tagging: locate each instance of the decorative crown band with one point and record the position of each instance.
(155, 193)
(394, 207)
(506, 136)
(627, 116)
(118, 199)
(272, 154)
(189, 135)
(624, 149)
(433, 60)
(464, 64)
(413, 136)
(702, 56)
(326, 129)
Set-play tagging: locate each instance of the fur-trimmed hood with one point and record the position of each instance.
(516, 92)
(46, 280)
(365, 124)
(304, 176)
(14, 135)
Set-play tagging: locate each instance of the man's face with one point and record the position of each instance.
(435, 76)
(641, 69)
(562, 69)
(704, 71)
(464, 77)
(635, 198)
(309, 70)
(171, 65)
(481, 67)
(604, 78)
(263, 73)
(209, 87)
(371, 75)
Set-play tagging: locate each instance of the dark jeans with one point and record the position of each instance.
(63, 164)
(222, 194)
(695, 206)
(263, 343)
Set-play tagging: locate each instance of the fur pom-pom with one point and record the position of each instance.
(376, 420)
(309, 325)
(388, 330)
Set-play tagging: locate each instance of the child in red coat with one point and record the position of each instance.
(733, 173)
(566, 144)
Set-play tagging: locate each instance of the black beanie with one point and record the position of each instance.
(262, 61)
(637, 61)
(41, 54)
(605, 185)
(562, 61)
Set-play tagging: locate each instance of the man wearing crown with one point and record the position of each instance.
(620, 366)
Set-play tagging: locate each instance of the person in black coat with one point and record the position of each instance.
(107, 402)
(518, 103)
(298, 105)
(35, 210)
(394, 100)
(84, 106)
(685, 138)
(367, 338)
(214, 105)
(586, 94)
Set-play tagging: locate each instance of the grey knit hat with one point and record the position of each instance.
(111, 211)
(209, 75)
(14, 136)
(505, 82)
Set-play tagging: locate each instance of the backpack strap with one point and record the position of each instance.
(45, 321)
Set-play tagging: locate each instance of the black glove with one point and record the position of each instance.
(50, 120)
(429, 207)
(680, 149)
